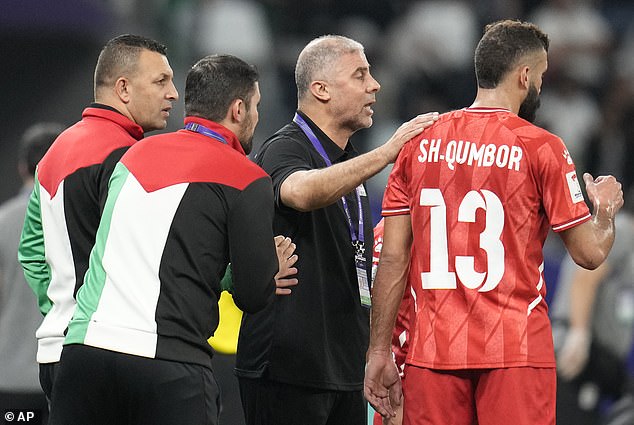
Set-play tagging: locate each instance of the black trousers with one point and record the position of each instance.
(48, 371)
(231, 412)
(266, 402)
(101, 387)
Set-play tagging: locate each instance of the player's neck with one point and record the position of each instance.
(496, 98)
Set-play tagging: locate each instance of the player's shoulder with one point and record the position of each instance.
(527, 130)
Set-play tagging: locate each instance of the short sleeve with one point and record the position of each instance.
(558, 181)
(396, 199)
(280, 157)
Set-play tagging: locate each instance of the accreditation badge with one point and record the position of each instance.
(362, 279)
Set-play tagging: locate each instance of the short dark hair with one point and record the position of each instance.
(35, 142)
(214, 82)
(120, 56)
(502, 45)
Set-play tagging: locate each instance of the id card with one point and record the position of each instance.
(362, 280)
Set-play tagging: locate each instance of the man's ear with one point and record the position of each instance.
(122, 89)
(237, 111)
(320, 90)
(524, 79)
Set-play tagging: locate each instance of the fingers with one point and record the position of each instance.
(396, 394)
(286, 258)
(605, 192)
(286, 282)
(574, 353)
(416, 125)
(380, 402)
(282, 242)
(286, 266)
(427, 119)
(406, 132)
(572, 363)
(284, 246)
(282, 286)
(287, 252)
(382, 384)
(609, 180)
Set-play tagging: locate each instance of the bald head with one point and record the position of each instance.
(317, 60)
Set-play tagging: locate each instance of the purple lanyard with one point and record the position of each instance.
(297, 119)
(192, 126)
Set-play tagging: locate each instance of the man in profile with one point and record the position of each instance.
(133, 93)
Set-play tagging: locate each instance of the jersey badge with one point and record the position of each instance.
(574, 187)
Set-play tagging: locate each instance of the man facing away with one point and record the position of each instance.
(474, 196)
(133, 92)
(301, 359)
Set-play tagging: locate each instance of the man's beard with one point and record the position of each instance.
(246, 137)
(528, 108)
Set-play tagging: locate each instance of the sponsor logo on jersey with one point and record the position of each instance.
(573, 185)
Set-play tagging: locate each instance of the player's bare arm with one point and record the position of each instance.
(382, 385)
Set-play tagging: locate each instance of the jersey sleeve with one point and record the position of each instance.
(31, 252)
(252, 248)
(561, 192)
(281, 157)
(396, 198)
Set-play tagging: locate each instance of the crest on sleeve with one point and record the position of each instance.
(573, 186)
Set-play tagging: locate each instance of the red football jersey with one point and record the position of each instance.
(482, 187)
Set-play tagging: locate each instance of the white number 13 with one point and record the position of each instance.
(439, 276)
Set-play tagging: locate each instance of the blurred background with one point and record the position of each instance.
(421, 51)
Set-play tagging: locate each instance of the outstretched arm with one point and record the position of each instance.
(309, 190)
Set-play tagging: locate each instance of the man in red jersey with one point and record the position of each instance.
(472, 198)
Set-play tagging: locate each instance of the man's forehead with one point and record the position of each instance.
(154, 62)
(352, 62)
